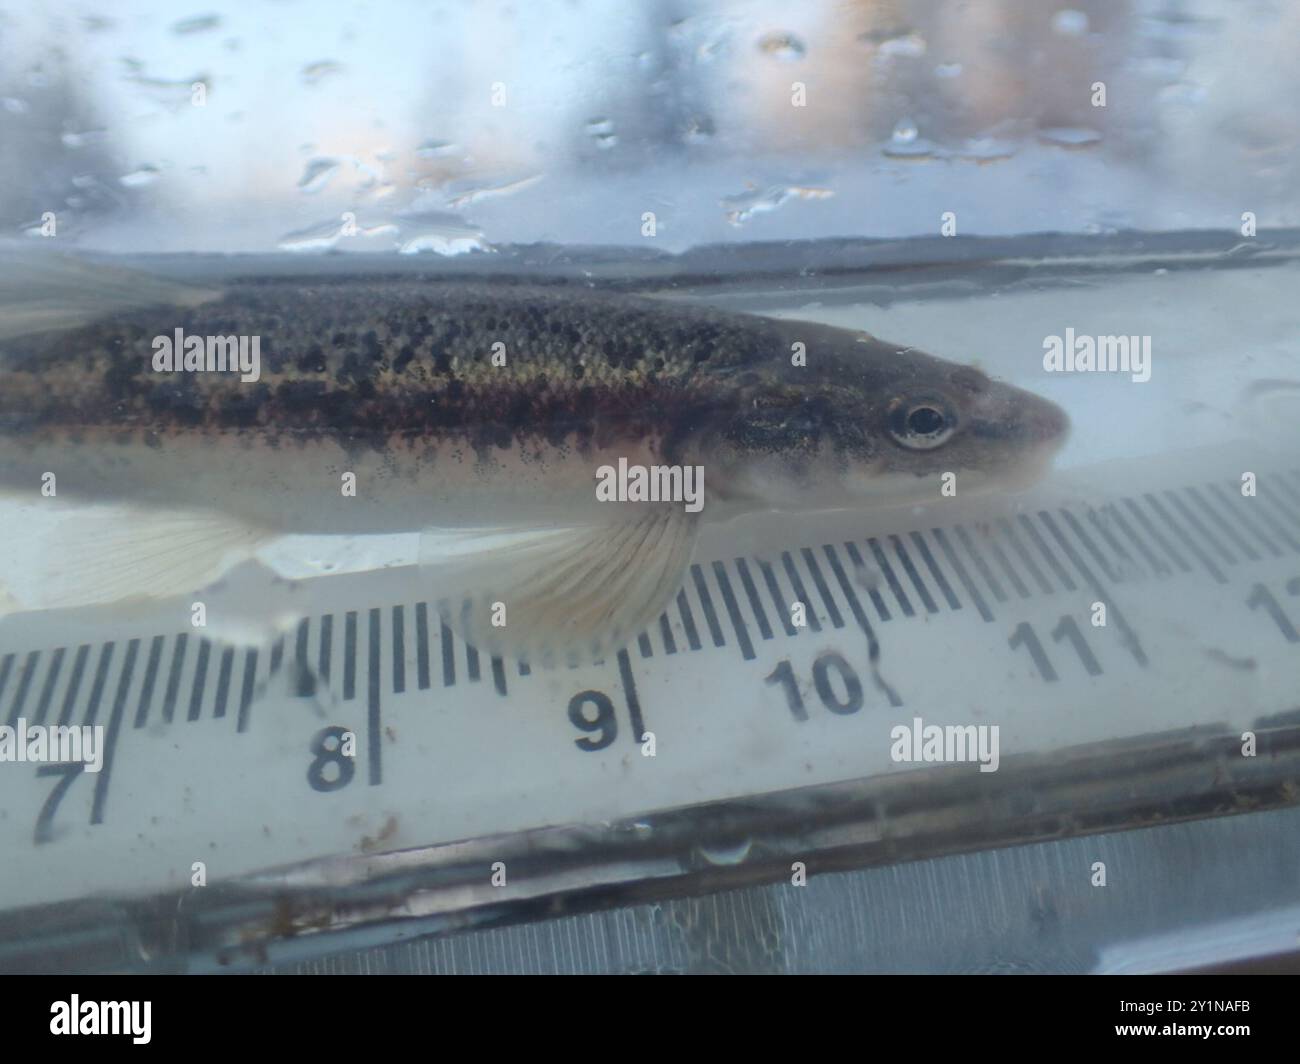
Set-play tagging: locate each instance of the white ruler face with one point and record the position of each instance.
(799, 652)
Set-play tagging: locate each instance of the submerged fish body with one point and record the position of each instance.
(454, 405)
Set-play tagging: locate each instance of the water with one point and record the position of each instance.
(936, 175)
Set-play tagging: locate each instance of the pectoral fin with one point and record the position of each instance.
(583, 591)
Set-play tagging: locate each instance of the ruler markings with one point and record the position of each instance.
(971, 590)
(738, 622)
(800, 594)
(891, 578)
(1192, 519)
(1279, 517)
(399, 649)
(819, 582)
(981, 566)
(1228, 528)
(666, 633)
(1037, 540)
(706, 603)
(688, 620)
(223, 683)
(198, 687)
(633, 701)
(755, 601)
(644, 646)
(1000, 556)
(6, 666)
(913, 574)
(51, 680)
(1110, 515)
(325, 660)
(1187, 541)
(24, 685)
(499, 675)
(1242, 514)
(174, 677)
(350, 655)
(1129, 635)
(246, 691)
(1080, 533)
(112, 731)
(778, 601)
(1013, 538)
(1149, 526)
(101, 677)
(74, 684)
(422, 645)
(941, 581)
(373, 722)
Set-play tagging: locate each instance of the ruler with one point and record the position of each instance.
(229, 761)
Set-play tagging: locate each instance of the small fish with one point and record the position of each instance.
(487, 408)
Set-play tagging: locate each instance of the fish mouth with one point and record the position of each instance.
(1022, 418)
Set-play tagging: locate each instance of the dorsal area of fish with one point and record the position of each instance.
(496, 365)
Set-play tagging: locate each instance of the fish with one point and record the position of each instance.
(480, 414)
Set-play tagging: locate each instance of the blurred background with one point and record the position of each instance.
(449, 128)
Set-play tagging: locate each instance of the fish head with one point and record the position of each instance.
(881, 425)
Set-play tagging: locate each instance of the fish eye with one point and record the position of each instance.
(921, 424)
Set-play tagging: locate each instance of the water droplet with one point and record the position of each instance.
(784, 46)
(443, 234)
(317, 175)
(145, 175)
(462, 193)
(905, 46)
(1070, 136)
(601, 130)
(741, 207)
(435, 149)
(726, 855)
(905, 131)
(197, 24)
(987, 149)
(80, 140)
(699, 130)
(1070, 23)
(948, 70)
(14, 105)
(314, 73)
